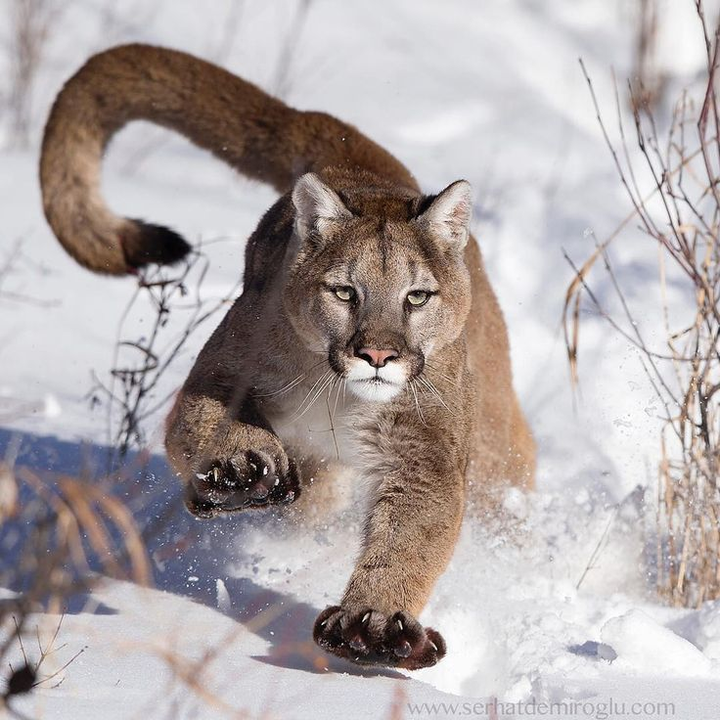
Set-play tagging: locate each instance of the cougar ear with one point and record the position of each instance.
(448, 216)
(316, 205)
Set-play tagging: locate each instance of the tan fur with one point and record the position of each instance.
(450, 440)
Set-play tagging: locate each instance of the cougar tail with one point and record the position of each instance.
(253, 132)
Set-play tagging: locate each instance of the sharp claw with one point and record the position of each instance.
(365, 617)
(400, 625)
(258, 493)
(404, 649)
(434, 645)
(216, 473)
(357, 645)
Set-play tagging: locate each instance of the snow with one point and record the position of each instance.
(560, 608)
(641, 641)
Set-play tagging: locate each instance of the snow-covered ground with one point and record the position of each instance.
(488, 91)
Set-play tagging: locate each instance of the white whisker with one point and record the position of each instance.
(411, 383)
(289, 386)
(431, 387)
(340, 386)
(326, 379)
(438, 373)
(285, 388)
(312, 390)
(331, 414)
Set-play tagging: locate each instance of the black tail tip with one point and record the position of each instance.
(153, 244)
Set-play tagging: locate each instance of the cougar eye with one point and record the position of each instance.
(418, 298)
(344, 293)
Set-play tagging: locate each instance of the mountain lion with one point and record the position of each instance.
(356, 284)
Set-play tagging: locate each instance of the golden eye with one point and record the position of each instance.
(417, 298)
(345, 293)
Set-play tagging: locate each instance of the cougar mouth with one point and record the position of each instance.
(375, 389)
(377, 380)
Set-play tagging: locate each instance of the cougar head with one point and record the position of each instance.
(379, 291)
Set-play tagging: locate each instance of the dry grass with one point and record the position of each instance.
(680, 217)
(56, 532)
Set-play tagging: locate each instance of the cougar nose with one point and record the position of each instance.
(376, 358)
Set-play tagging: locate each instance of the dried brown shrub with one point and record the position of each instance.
(680, 216)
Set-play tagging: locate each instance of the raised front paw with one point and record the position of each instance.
(368, 637)
(249, 479)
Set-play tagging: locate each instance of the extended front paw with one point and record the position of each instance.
(247, 479)
(368, 637)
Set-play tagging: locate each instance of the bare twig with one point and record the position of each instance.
(131, 388)
(683, 221)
